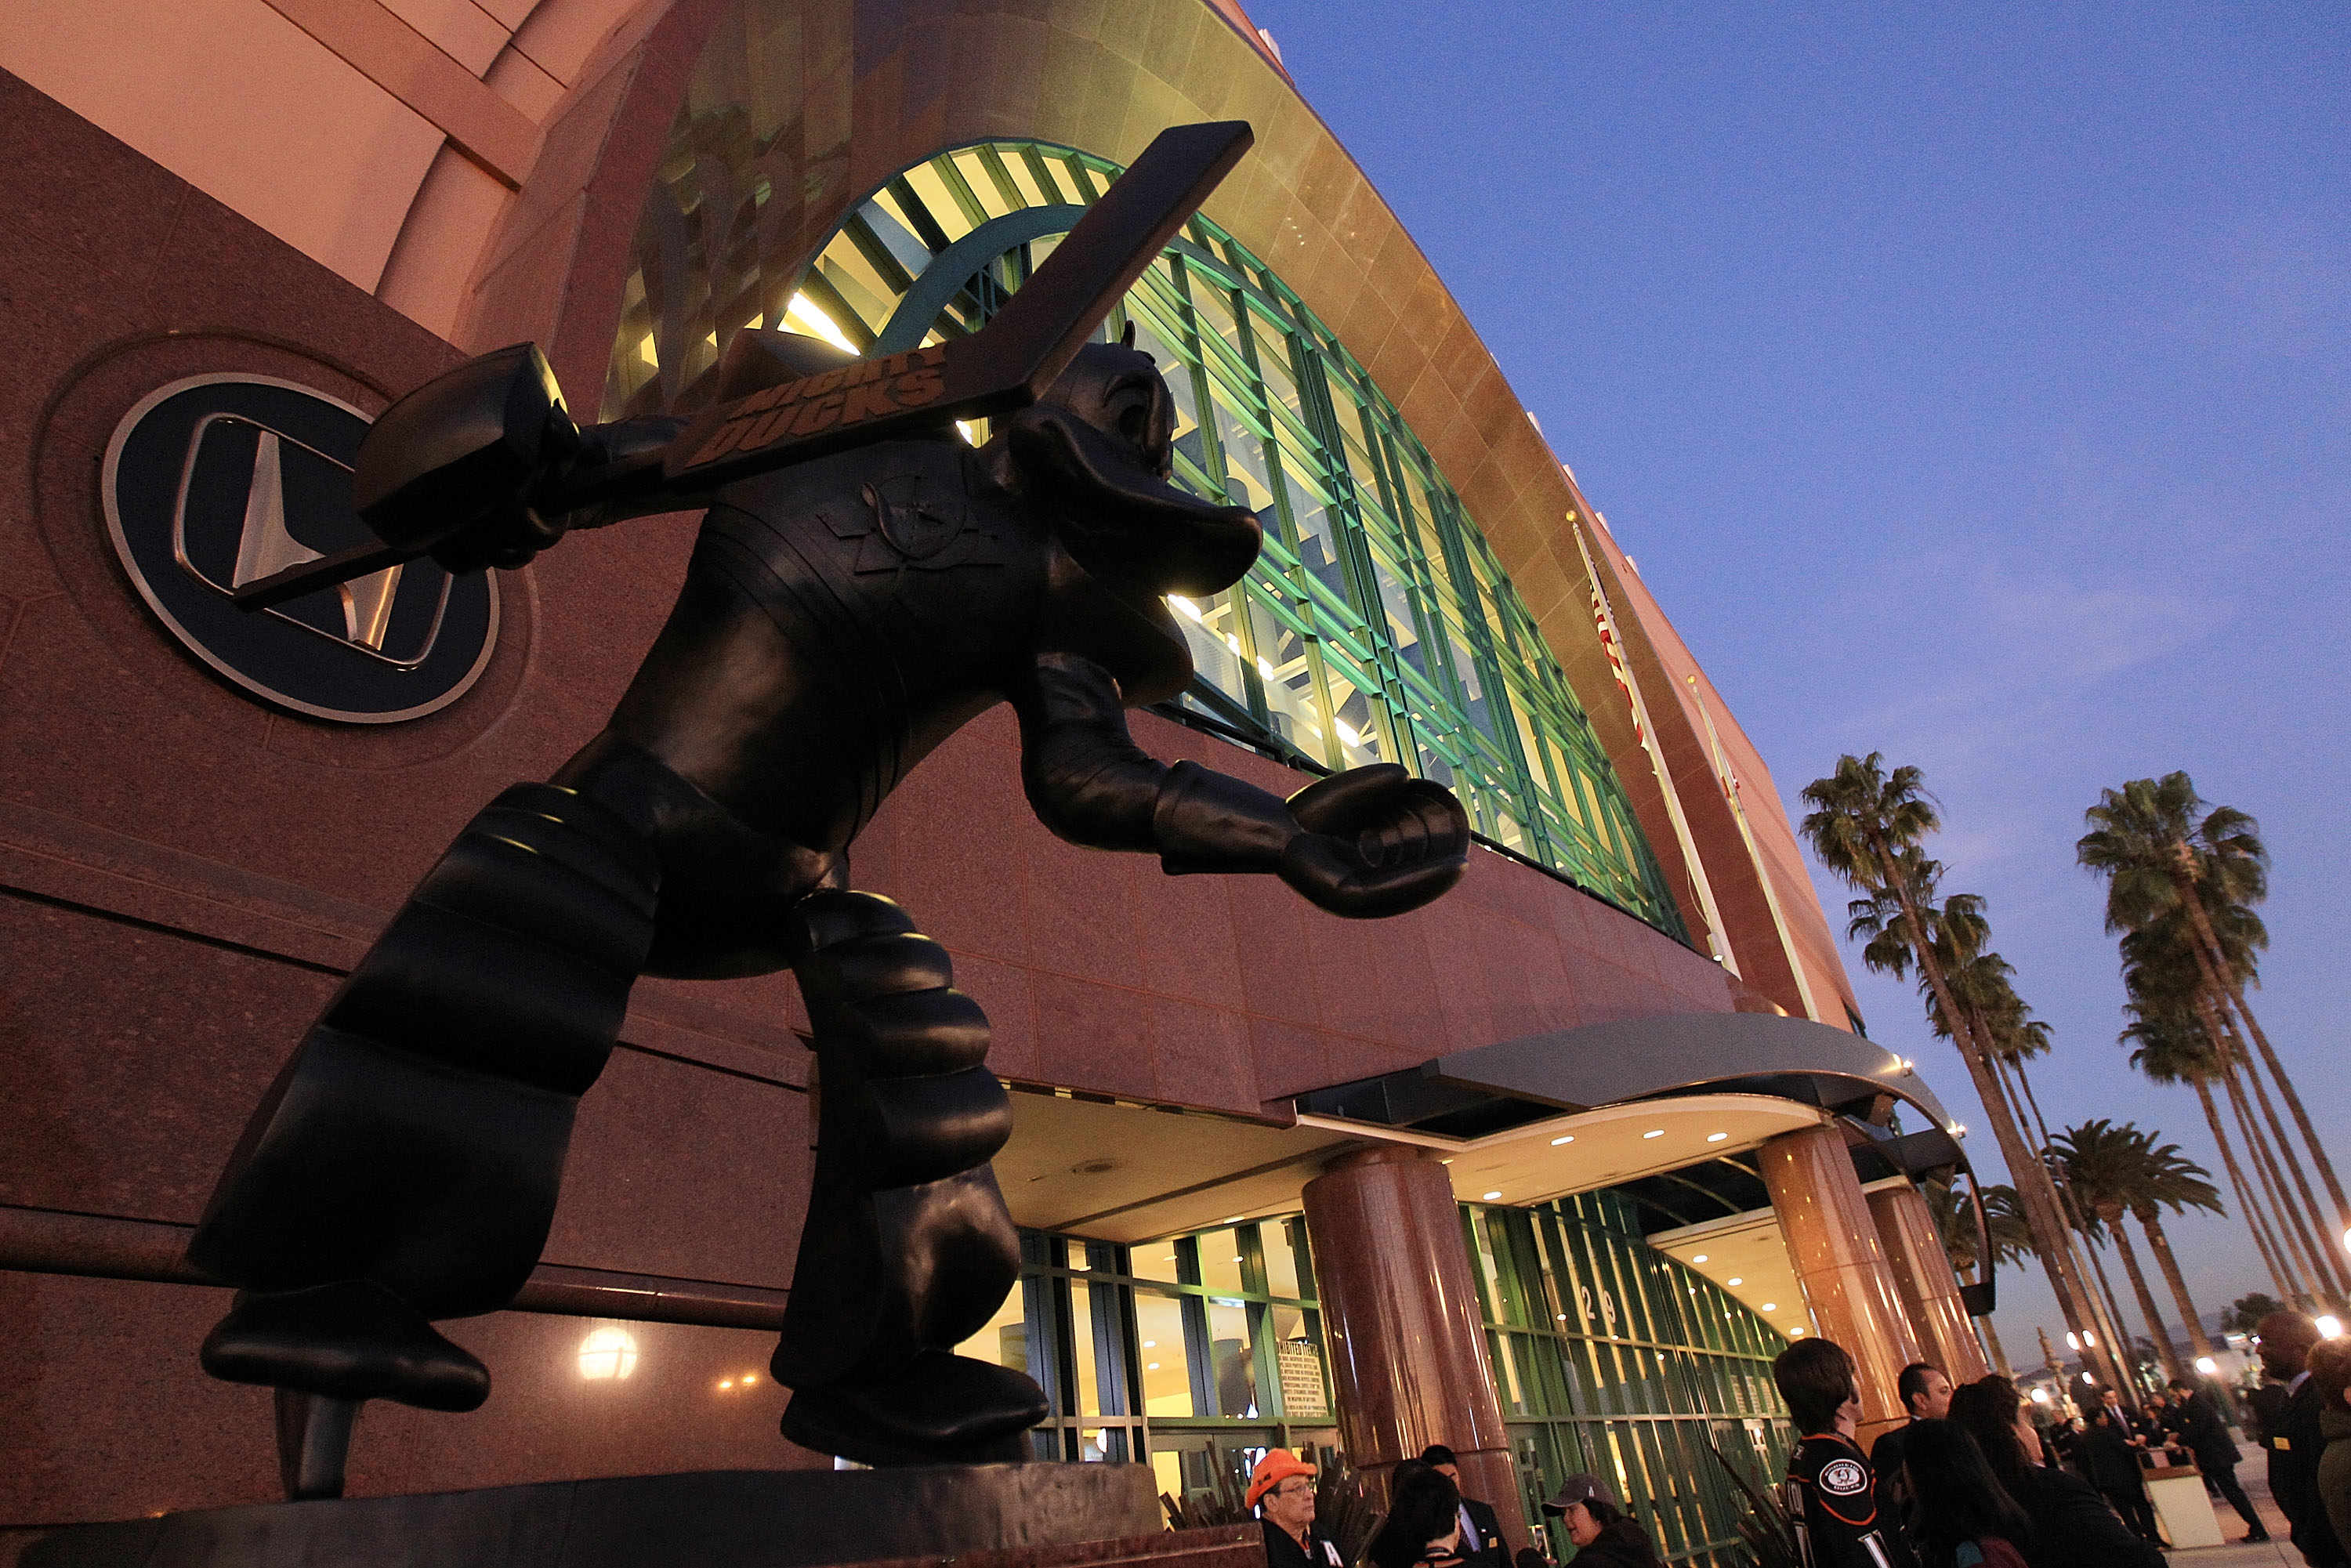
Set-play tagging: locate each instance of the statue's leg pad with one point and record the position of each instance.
(350, 1341)
(938, 1408)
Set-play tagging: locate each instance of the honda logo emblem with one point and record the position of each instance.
(213, 482)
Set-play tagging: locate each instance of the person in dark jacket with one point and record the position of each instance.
(1481, 1533)
(1281, 1490)
(2330, 1373)
(1423, 1528)
(1604, 1536)
(2072, 1525)
(1961, 1516)
(1829, 1492)
(2206, 1438)
(1926, 1396)
(2296, 1441)
(2110, 1450)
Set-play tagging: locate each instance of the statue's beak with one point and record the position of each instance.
(1121, 519)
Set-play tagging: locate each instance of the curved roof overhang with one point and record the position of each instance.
(1662, 1102)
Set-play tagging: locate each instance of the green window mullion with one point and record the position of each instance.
(975, 212)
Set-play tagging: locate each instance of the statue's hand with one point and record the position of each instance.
(455, 468)
(1375, 842)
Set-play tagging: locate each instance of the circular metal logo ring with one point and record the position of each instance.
(213, 481)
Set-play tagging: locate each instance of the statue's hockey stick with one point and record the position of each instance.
(1006, 365)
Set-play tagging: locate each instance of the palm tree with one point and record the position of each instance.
(2172, 1048)
(2107, 1167)
(2160, 971)
(2160, 851)
(2174, 1181)
(1979, 982)
(1864, 819)
(1955, 1222)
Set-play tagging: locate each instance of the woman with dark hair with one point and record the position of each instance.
(1961, 1516)
(2071, 1522)
(1423, 1528)
(1604, 1536)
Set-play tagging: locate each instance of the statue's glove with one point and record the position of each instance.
(456, 467)
(1365, 843)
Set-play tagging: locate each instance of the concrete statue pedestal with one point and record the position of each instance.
(984, 1516)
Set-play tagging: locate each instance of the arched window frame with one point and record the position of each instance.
(1376, 626)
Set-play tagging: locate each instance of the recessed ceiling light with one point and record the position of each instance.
(1151, 1345)
(1236, 1220)
(1770, 1306)
(1445, 1162)
(1716, 1137)
(1492, 1196)
(1151, 1366)
(1557, 1142)
(1700, 1259)
(1736, 1281)
(1796, 1332)
(1655, 1133)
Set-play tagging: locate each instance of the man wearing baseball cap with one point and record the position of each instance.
(1605, 1536)
(1281, 1490)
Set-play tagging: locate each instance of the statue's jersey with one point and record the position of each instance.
(839, 620)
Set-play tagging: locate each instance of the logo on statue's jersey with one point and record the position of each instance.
(217, 481)
(1844, 1478)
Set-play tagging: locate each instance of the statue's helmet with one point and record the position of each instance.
(1099, 447)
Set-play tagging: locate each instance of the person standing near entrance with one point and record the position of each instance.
(2110, 1451)
(1925, 1394)
(1829, 1493)
(1604, 1536)
(2206, 1437)
(2330, 1373)
(1281, 1490)
(2296, 1439)
(1481, 1531)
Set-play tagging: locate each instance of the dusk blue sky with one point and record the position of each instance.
(1969, 384)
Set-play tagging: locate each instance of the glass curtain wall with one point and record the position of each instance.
(1195, 1355)
(1377, 625)
(1613, 1359)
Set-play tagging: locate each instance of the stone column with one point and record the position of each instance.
(1400, 1314)
(1922, 1274)
(1833, 1245)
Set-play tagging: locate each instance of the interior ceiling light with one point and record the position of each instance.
(1736, 1281)
(1716, 1137)
(1770, 1306)
(1570, 1138)
(1655, 1133)
(1493, 1195)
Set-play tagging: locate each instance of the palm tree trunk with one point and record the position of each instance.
(2111, 1311)
(2034, 1190)
(1992, 1352)
(2165, 1351)
(2293, 1222)
(2223, 977)
(2330, 1274)
(2110, 1326)
(2293, 1102)
(2247, 1204)
(2294, 1250)
(2161, 1245)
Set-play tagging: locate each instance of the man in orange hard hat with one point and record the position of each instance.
(1281, 1490)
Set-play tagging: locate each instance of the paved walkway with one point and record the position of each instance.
(2253, 1473)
